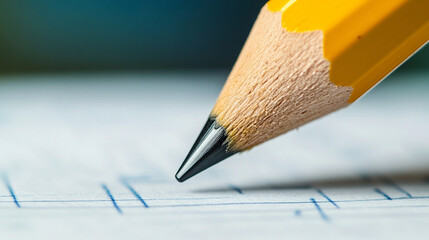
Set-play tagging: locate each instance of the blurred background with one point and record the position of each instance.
(129, 35)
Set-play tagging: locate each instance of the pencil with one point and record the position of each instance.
(302, 60)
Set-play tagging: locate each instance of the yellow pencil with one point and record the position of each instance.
(302, 60)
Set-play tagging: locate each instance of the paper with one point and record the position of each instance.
(94, 157)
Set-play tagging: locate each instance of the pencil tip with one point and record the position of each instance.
(209, 149)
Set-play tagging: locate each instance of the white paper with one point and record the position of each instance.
(94, 157)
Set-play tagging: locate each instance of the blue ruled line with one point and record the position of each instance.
(322, 213)
(12, 193)
(235, 188)
(211, 204)
(382, 193)
(327, 198)
(397, 187)
(106, 189)
(205, 204)
(136, 194)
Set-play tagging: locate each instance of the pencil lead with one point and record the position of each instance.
(209, 149)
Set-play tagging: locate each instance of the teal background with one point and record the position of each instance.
(128, 35)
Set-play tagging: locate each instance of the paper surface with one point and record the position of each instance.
(94, 157)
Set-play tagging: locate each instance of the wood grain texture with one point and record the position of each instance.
(279, 82)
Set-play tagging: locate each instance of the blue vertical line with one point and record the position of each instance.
(235, 188)
(327, 198)
(12, 193)
(135, 193)
(397, 187)
(322, 213)
(106, 189)
(377, 190)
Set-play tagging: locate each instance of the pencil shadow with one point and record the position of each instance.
(414, 177)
